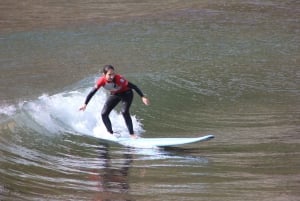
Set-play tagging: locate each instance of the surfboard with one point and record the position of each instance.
(157, 142)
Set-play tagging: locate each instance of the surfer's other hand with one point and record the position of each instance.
(145, 101)
(82, 108)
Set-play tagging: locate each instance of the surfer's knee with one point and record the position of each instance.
(125, 113)
(104, 114)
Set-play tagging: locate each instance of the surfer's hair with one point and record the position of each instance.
(106, 68)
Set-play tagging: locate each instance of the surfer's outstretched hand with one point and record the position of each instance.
(82, 108)
(145, 101)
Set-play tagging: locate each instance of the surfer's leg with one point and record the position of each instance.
(110, 103)
(127, 98)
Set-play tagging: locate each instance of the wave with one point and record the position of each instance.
(60, 113)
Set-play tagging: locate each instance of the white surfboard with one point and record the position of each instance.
(157, 142)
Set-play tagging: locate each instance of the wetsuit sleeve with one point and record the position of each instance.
(100, 82)
(90, 95)
(132, 86)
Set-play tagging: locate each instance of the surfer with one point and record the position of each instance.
(120, 91)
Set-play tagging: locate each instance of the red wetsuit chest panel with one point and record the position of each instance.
(118, 85)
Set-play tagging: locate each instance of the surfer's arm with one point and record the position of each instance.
(90, 95)
(88, 98)
(133, 86)
(140, 93)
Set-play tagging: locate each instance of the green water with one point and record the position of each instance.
(209, 67)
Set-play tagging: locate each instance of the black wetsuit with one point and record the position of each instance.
(125, 97)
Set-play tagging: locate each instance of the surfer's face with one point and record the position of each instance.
(109, 76)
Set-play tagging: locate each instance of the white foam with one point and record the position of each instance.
(60, 113)
(8, 110)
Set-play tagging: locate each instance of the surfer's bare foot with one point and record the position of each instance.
(134, 136)
(109, 133)
(117, 135)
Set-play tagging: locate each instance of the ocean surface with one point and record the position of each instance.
(227, 68)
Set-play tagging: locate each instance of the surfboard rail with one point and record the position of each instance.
(158, 142)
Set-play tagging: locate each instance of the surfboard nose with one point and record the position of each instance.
(210, 136)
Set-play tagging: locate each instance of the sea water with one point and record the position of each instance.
(228, 68)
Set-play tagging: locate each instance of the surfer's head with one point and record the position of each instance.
(109, 72)
(106, 68)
